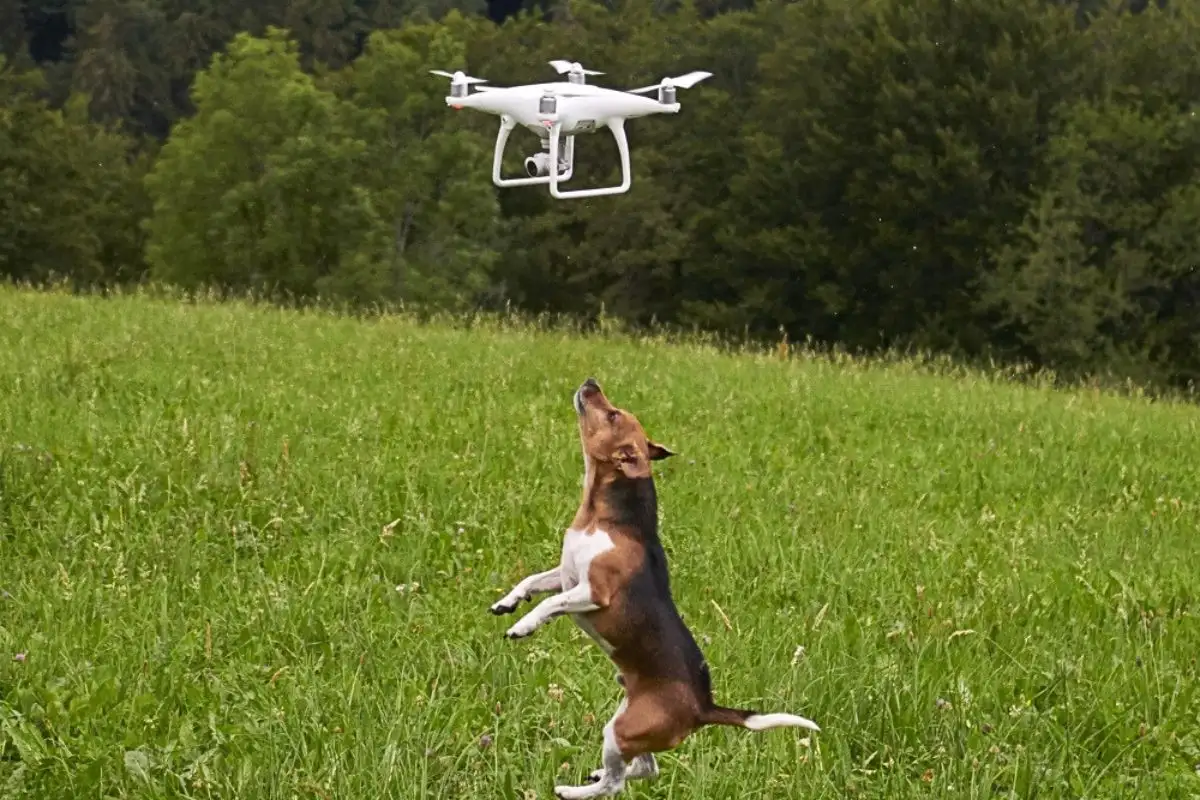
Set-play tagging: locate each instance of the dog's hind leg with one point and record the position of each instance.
(642, 767)
(612, 774)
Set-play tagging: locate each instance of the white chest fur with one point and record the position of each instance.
(579, 549)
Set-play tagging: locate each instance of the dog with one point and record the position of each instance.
(613, 581)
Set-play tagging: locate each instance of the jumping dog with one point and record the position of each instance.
(613, 581)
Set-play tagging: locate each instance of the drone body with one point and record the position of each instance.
(564, 109)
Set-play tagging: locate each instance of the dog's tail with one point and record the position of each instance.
(752, 720)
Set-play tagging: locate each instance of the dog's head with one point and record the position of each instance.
(614, 443)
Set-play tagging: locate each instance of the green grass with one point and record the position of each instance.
(249, 553)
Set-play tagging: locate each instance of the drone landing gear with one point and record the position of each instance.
(617, 126)
(559, 161)
(544, 161)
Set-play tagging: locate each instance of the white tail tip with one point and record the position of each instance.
(762, 722)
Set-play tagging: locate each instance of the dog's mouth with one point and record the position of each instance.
(586, 390)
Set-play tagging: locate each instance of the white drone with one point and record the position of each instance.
(554, 110)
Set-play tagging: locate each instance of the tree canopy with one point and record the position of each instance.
(1008, 179)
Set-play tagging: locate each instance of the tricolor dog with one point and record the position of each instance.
(613, 581)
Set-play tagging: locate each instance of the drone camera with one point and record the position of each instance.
(537, 166)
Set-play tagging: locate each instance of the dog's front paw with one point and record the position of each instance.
(508, 604)
(503, 607)
(520, 630)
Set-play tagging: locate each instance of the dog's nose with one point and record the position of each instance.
(586, 390)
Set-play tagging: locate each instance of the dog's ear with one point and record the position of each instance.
(631, 463)
(657, 451)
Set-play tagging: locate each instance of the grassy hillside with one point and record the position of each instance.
(249, 553)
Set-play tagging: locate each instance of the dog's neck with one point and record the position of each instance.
(633, 504)
(615, 500)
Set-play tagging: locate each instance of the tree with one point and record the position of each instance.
(890, 146)
(427, 178)
(262, 188)
(118, 62)
(12, 29)
(1092, 282)
(71, 201)
(280, 185)
(1102, 275)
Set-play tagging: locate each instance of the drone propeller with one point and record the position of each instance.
(571, 66)
(457, 76)
(682, 81)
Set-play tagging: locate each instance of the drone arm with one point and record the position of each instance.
(617, 126)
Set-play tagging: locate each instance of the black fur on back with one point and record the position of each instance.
(666, 646)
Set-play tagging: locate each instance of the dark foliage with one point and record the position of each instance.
(1011, 179)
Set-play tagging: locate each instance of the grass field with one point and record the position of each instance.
(248, 553)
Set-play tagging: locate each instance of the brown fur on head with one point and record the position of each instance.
(614, 443)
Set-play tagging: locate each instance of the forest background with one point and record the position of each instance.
(1003, 180)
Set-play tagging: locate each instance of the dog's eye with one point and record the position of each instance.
(612, 415)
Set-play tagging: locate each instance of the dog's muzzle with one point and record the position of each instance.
(588, 385)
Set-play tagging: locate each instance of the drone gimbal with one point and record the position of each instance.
(556, 163)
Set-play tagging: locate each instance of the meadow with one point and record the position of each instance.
(249, 552)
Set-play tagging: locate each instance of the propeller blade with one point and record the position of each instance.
(457, 77)
(562, 66)
(685, 81)
(690, 79)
